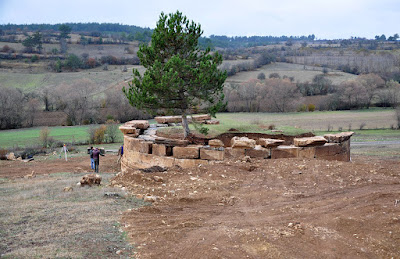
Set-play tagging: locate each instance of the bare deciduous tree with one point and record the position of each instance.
(77, 100)
(11, 108)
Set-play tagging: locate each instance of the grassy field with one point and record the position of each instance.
(28, 82)
(30, 136)
(94, 51)
(316, 121)
(299, 72)
(39, 220)
(375, 123)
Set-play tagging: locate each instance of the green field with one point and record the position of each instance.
(377, 126)
(30, 136)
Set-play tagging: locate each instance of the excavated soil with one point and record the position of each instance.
(288, 208)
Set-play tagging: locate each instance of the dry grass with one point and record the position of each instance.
(30, 82)
(299, 72)
(39, 219)
(94, 51)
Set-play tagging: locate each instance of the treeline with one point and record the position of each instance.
(76, 27)
(260, 60)
(276, 94)
(74, 63)
(80, 101)
(244, 41)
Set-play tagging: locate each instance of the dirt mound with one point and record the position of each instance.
(287, 208)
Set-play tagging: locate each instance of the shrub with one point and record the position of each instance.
(398, 117)
(44, 137)
(3, 153)
(274, 75)
(73, 62)
(261, 76)
(302, 108)
(7, 49)
(34, 58)
(111, 130)
(311, 107)
(91, 63)
(271, 127)
(99, 134)
(362, 125)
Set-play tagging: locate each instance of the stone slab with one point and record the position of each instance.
(269, 142)
(168, 119)
(159, 150)
(309, 142)
(129, 130)
(242, 142)
(339, 137)
(131, 143)
(145, 147)
(258, 153)
(215, 143)
(307, 152)
(211, 154)
(189, 152)
(171, 142)
(139, 124)
(329, 149)
(234, 152)
(284, 152)
(212, 122)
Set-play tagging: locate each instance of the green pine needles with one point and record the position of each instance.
(179, 76)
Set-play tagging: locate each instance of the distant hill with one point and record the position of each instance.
(76, 27)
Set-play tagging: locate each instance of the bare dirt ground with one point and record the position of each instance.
(288, 208)
(285, 208)
(43, 165)
(38, 219)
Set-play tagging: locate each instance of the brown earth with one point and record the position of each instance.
(288, 208)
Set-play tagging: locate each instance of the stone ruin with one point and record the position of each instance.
(144, 149)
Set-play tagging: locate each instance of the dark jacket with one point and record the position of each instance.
(96, 154)
(91, 153)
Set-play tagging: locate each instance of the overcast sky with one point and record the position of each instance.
(327, 19)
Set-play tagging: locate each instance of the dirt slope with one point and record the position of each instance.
(269, 209)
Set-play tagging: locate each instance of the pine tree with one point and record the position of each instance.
(179, 76)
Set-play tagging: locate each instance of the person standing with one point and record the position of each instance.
(91, 158)
(96, 158)
(120, 154)
(65, 150)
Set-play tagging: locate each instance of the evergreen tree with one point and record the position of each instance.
(179, 76)
(65, 30)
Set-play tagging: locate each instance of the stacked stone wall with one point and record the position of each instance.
(144, 151)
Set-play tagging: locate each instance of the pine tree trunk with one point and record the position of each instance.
(185, 125)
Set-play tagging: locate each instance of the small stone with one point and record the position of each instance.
(158, 179)
(68, 189)
(246, 159)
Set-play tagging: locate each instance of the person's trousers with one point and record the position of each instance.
(96, 165)
(92, 163)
